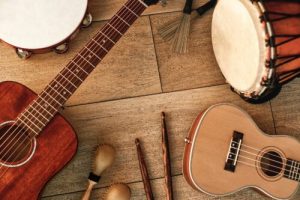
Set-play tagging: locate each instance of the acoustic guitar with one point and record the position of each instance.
(35, 140)
(226, 152)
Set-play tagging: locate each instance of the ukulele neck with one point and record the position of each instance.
(38, 114)
(292, 170)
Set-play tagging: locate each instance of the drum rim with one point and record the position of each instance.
(270, 55)
(45, 48)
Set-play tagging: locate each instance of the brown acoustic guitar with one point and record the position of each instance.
(35, 140)
(226, 152)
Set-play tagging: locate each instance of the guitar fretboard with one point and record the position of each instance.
(292, 170)
(38, 114)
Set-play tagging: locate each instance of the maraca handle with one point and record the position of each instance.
(87, 194)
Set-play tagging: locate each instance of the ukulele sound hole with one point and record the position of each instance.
(15, 144)
(271, 164)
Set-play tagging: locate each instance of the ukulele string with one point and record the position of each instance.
(110, 31)
(265, 163)
(266, 169)
(82, 59)
(256, 155)
(256, 149)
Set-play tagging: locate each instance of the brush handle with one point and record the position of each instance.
(166, 158)
(87, 194)
(202, 9)
(188, 7)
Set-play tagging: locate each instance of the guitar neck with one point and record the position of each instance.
(37, 115)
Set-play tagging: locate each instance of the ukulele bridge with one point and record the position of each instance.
(233, 151)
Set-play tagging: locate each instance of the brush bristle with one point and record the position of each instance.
(180, 42)
(168, 30)
(105, 156)
(118, 191)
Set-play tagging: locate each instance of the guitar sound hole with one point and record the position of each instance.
(271, 163)
(15, 144)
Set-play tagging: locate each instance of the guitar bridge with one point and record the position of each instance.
(233, 151)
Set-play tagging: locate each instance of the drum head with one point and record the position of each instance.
(37, 24)
(239, 43)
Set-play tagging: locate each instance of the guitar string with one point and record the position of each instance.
(265, 163)
(128, 4)
(256, 155)
(297, 178)
(256, 149)
(110, 31)
(120, 13)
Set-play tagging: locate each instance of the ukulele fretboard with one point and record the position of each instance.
(54, 96)
(292, 170)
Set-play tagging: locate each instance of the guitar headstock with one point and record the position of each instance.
(151, 2)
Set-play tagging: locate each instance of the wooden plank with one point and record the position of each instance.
(182, 191)
(198, 68)
(286, 110)
(105, 9)
(129, 70)
(120, 122)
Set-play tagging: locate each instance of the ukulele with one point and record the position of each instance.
(226, 152)
(35, 140)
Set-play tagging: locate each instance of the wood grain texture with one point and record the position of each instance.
(286, 110)
(104, 9)
(120, 122)
(197, 68)
(129, 70)
(56, 145)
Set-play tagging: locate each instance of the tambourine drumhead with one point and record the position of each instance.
(239, 43)
(37, 24)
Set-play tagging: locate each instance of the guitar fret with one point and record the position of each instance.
(45, 92)
(47, 104)
(131, 11)
(65, 89)
(61, 75)
(100, 45)
(115, 29)
(92, 52)
(61, 95)
(80, 67)
(74, 74)
(40, 114)
(107, 37)
(87, 60)
(28, 127)
(122, 20)
(34, 117)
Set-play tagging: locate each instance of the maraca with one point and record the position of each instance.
(118, 191)
(105, 156)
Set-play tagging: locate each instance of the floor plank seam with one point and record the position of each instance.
(155, 51)
(273, 117)
(146, 95)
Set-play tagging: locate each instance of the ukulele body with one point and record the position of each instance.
(54, 148)
(207, 165)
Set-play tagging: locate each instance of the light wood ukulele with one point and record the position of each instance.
(35, 140)
(226, 152)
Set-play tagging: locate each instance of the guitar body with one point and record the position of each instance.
(217, 165)
(54, 148)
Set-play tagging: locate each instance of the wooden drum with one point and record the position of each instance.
(257, 45)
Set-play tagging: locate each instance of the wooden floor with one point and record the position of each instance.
(123, 99)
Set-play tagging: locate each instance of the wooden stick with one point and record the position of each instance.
(144, 172)
(166, 158)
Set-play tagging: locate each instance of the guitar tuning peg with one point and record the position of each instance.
(163, 2)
